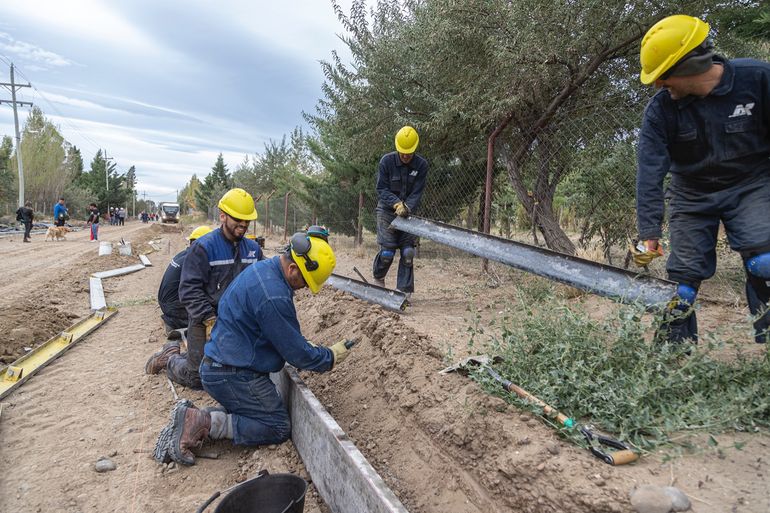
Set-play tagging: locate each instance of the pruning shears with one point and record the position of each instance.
(624, 454)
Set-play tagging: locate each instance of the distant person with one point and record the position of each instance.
(400, 182)
(93, 221)
(144, 216)
(174, 313)
(210, 266)
(60, 213)
(257, 332)
(26, 216)
(122, 216)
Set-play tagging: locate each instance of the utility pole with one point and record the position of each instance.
(12, 87)
(107, 178)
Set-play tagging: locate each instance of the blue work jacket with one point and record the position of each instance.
(257, 326)
(397, 181)
(707, 144)
(210, 266)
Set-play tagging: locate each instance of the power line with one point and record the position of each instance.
(13, 87)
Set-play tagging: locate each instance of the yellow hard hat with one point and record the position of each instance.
(199, 232)
(238, 204)
(667, 42)
(314, 257)
(407, 140)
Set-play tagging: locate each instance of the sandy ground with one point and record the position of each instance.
(440, 442)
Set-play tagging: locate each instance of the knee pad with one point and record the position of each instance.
(386, 255)
(407, 256)
(759, 266)
(684, 299)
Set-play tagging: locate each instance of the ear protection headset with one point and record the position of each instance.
(300, 246)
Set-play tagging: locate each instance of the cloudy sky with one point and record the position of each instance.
(166, 85)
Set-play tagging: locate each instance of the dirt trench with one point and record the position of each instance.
(439, 441)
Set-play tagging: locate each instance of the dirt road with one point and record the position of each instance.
(440, 442)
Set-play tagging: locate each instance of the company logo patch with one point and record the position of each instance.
(742, 110)
(414, 171)
(252, 254)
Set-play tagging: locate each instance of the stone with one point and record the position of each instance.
(679, 500)
(650, 499)
(104, 465)
(553, 447)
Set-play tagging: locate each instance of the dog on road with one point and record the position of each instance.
(56, 233)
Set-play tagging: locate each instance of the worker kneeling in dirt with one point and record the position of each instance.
(174, 313)
(257, 332)
(211, 265)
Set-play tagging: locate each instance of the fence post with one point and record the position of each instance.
(285, 215)
(360, 227)
(267, 213)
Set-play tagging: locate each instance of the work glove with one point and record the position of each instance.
(339, 351)
(646, 251)
(401, 209)
(209, 323)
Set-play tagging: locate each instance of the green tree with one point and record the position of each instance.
(460, 71)
(8, 189)
(213, 187)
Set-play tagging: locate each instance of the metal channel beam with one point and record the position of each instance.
(15, 374)
(340, 473)
(390, 299)
(601, 279)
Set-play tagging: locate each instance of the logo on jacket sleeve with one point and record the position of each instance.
(252, 254)
(742, 110)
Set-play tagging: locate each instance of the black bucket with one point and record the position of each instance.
(266, 493)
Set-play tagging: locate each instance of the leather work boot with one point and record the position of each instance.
(189, 428)
(158, 361)
(162, 451)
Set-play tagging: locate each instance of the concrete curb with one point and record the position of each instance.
(341, 474)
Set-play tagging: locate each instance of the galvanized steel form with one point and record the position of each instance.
(601, 279)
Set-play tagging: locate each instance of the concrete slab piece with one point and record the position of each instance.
(145, 261)
(119, 271)
(340, 473)
(97, 293)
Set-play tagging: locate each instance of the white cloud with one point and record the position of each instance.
(30, 52)
(81, 19)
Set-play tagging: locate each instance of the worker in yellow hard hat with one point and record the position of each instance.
(174, 313)
(400, 183)
(211, 264)
(257, 332)
(708, 127)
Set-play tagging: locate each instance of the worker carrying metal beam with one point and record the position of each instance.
(708, 126)
(256, 333)
(400, 182)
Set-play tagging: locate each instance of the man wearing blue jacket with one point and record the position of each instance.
(210, 266)
(174, 314)
(60, 213)
(257, 332)
(400, 182)
(709, 126)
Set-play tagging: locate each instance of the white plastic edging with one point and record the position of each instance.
(341, 474)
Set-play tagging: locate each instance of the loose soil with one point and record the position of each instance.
(439, 441)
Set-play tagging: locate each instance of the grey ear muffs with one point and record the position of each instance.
(300, 245)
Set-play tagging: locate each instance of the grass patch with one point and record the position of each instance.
(606, 373)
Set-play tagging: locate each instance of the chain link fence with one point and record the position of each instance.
(586, 157)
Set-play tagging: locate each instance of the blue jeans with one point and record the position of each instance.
(94, 231)
(259, 415)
